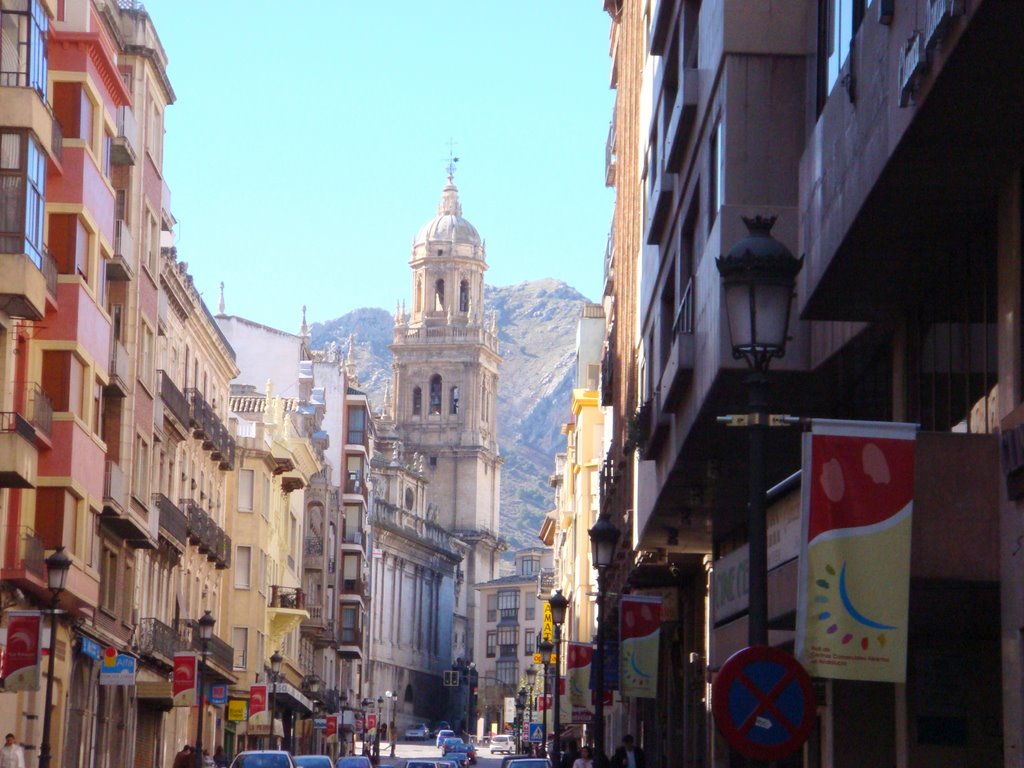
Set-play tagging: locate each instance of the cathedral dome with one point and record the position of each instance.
(448, 226)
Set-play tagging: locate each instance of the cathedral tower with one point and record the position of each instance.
(445, 384)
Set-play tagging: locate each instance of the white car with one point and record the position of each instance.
(417, 732)
(502, 743)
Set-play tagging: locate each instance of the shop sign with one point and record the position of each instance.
(117, 668)
(237, 711)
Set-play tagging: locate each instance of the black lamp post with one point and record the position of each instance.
(520, 706)
(343, 706)
(558, 603)
(312, 686)
(275, 670)
(392, 701)
(531, 676)
(376, 740)
(603, 538)
(473, 679)
(366, 703)
(758, 279)
(205, 625)
(544, 647)
(57, 566)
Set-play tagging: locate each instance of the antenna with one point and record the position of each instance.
(452, 159)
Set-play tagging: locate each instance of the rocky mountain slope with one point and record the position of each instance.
(537, 330)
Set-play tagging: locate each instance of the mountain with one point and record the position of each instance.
(537, 330)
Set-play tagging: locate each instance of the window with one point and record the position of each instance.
(838, 23)
(439, 296)
(435, 394)
(356, 426)
(529, 636)
(507, 672)
(528, 566)
(240, 642)
(350, 624)
(22, 194)
(152, 254)
(530, 609)
(97, 409)
(243, 567)
(716, 172)
(23, 29)
(350, 572)
(410, 499)
(508, 603)
(464, 296)
(417, 401)
(108, 580)
(453, 401)
(492, 607)
(245, 486)
(265, 511)
(492, 643)
(140, 479)
(146, 355)
(264, 574)
(353, 525)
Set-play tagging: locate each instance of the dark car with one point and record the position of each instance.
(354, 761)
(313, 761)
(263, 758)
(456, 746)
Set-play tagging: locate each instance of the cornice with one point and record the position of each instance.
(102, 57)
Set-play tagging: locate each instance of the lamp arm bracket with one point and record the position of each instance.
(759, 419)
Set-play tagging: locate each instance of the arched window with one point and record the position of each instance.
(417, 401)
(435, 394)
(410, 499)
(454, 401)
(439, 296)
(464, 296)
(418, 297)
(332, 540)
(408, 694)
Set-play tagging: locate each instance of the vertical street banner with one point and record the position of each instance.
(639, 640)
(331, 731)
(857, 500)
(183, 685)
(21, 665)
(259, 715)
(577, 673)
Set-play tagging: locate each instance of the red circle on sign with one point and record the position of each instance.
(763, 703)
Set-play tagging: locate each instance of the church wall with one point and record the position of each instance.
(263, 353)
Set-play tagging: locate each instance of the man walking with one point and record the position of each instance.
(629, 755)
(11, 754)
(184, 758)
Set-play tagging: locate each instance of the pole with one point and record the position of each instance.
(545, 717)
(44, 747)
(556, 757)
(393, 735)
(273, 709)
(599, 753)
(200, 685)
(757, 615)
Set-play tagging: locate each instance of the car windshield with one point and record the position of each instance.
(537, 762)
(313, 761)
(256, 760)
(354, 762)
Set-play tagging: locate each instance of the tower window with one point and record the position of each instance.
(454, 405)
(417, 401)
(410, 499)
(439, 296)
(433, 462)
(464, 296)
(435, 395)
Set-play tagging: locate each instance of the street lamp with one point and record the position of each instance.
(275, 670)
(544, 647)
(57, 566)
(472, 679)
(391, 702)
(205, 625)
(312, 685)
(531, 675)
(603, 538)
(376, 740)
(758, 278)
(558, 603)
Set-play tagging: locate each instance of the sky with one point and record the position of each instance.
(309, 143)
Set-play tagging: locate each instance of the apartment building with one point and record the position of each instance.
(849, 122)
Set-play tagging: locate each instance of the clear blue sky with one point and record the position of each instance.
(309, 142)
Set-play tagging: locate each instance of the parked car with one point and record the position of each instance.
(421, 764)
(313, 761)
(503, 743)
(455, 745)
(442, 734)
(263, 758)
(525, 761)
(354, 761)
(417, 732)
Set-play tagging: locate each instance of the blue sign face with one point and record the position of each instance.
(536, 733)
(319, 723)
(89, 647)
(218, 695)
(120, 672)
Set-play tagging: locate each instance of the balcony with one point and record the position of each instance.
(122, 149)
(122, 266)
(610, 156)
(204, 533)
(39, 412)
(19, 457)
(23, 290)
(677, 372)
(118, 516)
(158, 641)
(313, 553)
(206, 426)
(350, 643)
(119, 376)
(49, 269)
(218, 650)
(177, 405)
(287, 597)
(355, 485)
(173, 522)
(286, 609)
(25, 568)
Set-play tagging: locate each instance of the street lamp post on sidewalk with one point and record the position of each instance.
(205, 625)
(376, 736)
(57, 566)
(544, 647)
(558, 603)
(275, 671)
(603, 538)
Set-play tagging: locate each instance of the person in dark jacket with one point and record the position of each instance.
(184, 758)
(570, 751)
(629, 755)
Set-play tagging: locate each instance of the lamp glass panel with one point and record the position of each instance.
(772, 304)
(737, 308)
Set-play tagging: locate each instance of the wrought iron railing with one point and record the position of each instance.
(174, 399)
(286, 597)
(11, 421)
(172, 519)
(39, 409)
(155, 637)
(31, 553)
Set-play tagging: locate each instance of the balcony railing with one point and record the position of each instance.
(155, 637)
(13, 422)
(57, 142)
(118, 369)
(172, 519)
(123, 147)
(207, 535)
(123, 266)
(39, 409)
(206, 425)
(113, 486)
(219, 651)
(287, 597)
(313, 546)
(31, 554)
(49, 267)
(175, 400)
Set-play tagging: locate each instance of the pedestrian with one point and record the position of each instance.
(629, 755)
(220, 758)
(570, 752)
(184, 758)
(11, 753)
(207, 760)
(586, 758)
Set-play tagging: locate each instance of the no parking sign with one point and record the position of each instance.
(763, 703)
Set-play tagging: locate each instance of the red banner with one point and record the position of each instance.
(639, 631)
(371, 721)
(184, 680)
(258, 714)
(332, 727)
(20, 666)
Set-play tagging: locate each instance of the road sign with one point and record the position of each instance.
(536, 733)
(118, 669)
(319, 723)
(763, 703)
